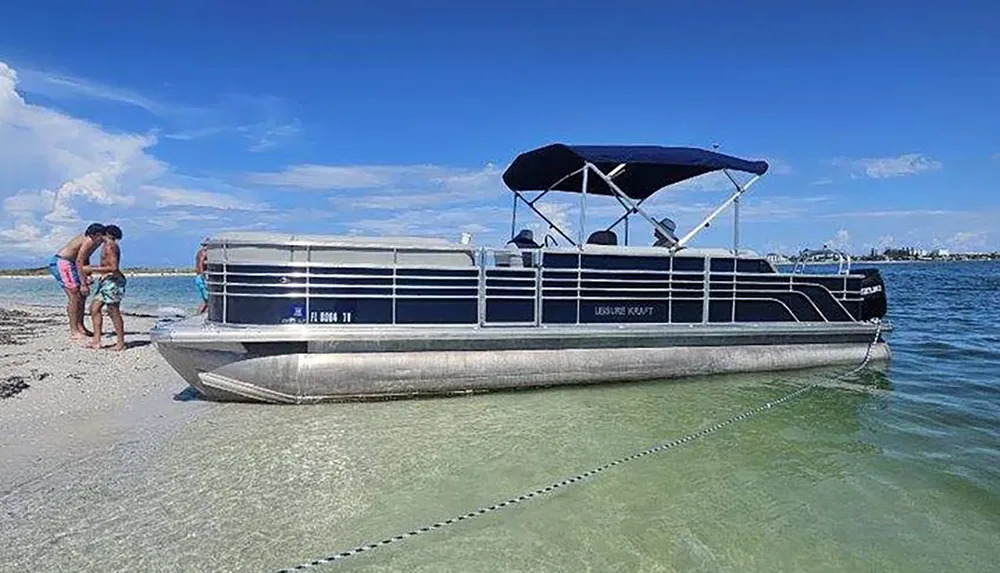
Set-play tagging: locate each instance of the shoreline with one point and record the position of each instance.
(60, 309)
(62, 403)
(126, 273)
(855, 262)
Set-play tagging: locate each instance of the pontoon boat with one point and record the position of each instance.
(298, 319)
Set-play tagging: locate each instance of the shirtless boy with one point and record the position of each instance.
(65, 266)
(199, 277)
(110, 288)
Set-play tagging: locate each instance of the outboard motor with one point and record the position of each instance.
(873, 304)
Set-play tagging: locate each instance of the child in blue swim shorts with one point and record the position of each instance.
(200, 265)
(110, 288)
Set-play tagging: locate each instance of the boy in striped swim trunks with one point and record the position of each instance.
(65, 267)
(110, 289)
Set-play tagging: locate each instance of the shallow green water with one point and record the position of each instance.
(905, 479)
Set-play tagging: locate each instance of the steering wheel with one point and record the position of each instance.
(548, 237)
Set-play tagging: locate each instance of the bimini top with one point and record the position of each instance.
(649, 168)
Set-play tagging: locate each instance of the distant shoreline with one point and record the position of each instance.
(142, 272)
(888, 262)
(855, 262)
(905, 261)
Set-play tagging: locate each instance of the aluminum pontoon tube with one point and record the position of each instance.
(383, 367)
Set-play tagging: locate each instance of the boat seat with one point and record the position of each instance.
(603, 238)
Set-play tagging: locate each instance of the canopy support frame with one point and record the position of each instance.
(734, 198)
(531, 205)
(632, 206)
(628, 210)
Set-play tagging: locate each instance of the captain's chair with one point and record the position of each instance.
(524, 242)
(603, 238)
(668, 239)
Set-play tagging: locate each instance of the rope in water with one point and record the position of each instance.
(340, 556)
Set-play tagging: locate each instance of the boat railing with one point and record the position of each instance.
(821, 256)
(505, 286)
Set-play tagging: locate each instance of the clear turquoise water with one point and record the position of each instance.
(144, 295)
(907, 479)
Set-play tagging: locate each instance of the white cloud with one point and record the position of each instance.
(174, 197)
(262, 122)
(880, 244)
(778, 207)
(886, 167)
(560, 213)
(60, 86)
(820, 182)
(62, 213)
(270, 134)
(179, 221)
(778, 166)
(326, 177)
(968, 239)
(390, 187)
(416, 199)
(341, 177)
(52, 164)
(194, 134)
(894, 213)
(25, 238)
(58, 173)
(714, 181)
(841, 240)
(447, 223)
(27, 202)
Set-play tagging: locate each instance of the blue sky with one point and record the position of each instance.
(182, 119)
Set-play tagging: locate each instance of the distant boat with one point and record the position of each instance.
(298, 319)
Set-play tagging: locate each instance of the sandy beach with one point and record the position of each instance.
(61, 402)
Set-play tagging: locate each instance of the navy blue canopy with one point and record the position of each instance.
(649, 168)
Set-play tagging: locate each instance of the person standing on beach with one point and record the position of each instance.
(65, 266)
(110, 288)
(200, 264)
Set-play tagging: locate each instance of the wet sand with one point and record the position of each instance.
(61, 402)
